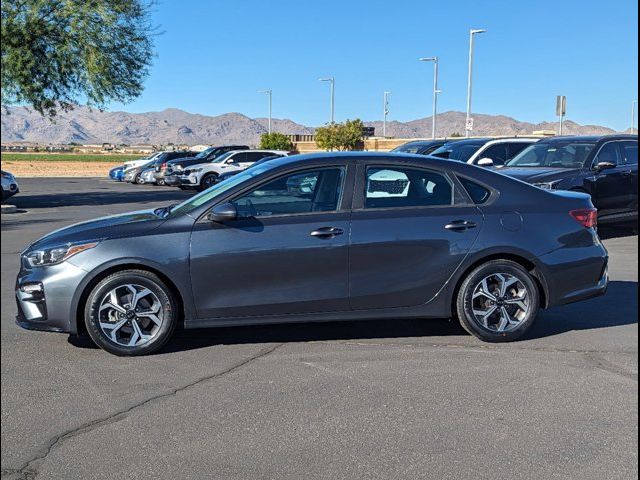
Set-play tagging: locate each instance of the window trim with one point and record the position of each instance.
(340, 202)
(493, 193)
(360, 184)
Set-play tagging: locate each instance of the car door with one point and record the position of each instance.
(286, 253)
(629, 156)
(612, 186)
(410, 230)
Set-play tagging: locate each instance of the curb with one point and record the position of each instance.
(8, 209)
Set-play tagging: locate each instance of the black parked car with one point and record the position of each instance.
(605, 167)
(368, 236)
(420, 147)
(209, 155)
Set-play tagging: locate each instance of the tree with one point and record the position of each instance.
(456, 135)
(275, 141)
(341, 136)
(58, 53)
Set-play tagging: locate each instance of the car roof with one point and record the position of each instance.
(588, 138)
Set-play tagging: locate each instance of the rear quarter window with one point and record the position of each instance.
(478, 193)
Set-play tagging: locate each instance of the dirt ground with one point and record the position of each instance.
(59, 169)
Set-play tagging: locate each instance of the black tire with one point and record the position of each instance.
(141, 278)
(160, 182)
(207, 181)
(139, 180)
(489, 333)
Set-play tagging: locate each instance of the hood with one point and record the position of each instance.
(115, 226)
(537, 174)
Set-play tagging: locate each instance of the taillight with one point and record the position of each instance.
(163, 166)
(588, 217)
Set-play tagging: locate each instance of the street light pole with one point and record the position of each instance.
(634, 104)
(435, 93)
(268, 92)
(385, 113)
(332, 81)
(470, 77)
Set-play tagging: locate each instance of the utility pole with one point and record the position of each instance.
(385, 113)
(469, 122)
(268, 92)
(435, 93)
(332, 81)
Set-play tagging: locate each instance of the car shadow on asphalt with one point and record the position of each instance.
(618, 307)
(91, 198)
(606, 232)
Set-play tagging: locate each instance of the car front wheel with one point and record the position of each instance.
(130, 313)
(498, 301)
(208, 181)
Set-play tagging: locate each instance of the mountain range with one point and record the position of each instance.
(85, 125)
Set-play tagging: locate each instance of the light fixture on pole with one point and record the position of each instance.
(385, 113)
(268, 92)
(469, 122)
(435, 92)
(332, 81)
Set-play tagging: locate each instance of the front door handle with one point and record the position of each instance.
(460, 225)
(327, 232)
(627, 173)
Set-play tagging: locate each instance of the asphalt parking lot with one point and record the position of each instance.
(381, 399)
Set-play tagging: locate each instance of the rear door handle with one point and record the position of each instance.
(460, 225)
(327, 232)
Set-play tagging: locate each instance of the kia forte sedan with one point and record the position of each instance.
(377, 236)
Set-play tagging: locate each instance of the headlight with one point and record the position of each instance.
(53, 256)
(193, 170)
(547, 185)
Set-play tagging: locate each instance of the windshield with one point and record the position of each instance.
(223, 157)
(457, 151)
(219, 188)
(408, 148)
(205, 153)
(554, 155)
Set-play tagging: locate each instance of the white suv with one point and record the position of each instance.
(484, 152)
(204, 175)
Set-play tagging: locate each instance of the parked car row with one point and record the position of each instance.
(605, 167)
(188, 170)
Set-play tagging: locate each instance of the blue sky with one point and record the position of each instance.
(213, 56)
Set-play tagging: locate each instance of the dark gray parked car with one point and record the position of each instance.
(381, 236)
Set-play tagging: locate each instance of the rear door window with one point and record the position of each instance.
(391, 187)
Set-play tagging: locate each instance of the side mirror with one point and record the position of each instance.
(229, 161)
(224, 212)
(485, 162)
(604, 166)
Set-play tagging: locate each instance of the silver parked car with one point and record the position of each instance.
(9, 185)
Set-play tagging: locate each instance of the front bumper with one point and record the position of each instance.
(44, 297)
(180, 180)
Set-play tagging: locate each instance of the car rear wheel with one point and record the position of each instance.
(131, 313)
(139, 180)
(498, 301)
(208, 180)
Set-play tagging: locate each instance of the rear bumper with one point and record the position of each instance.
(575, 274)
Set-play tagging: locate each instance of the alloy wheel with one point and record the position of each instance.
(130, 315)
(500, 302)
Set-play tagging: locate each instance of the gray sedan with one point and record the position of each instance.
(369, 236)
